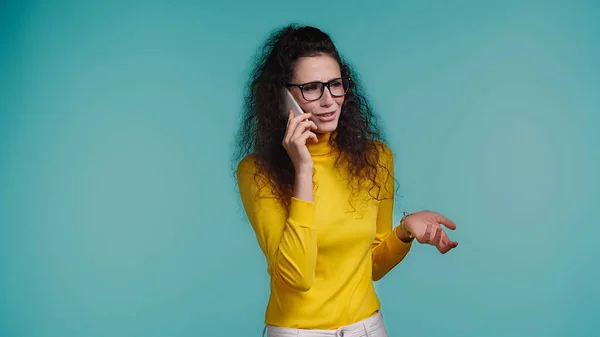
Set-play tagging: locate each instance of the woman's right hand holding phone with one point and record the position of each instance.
(300, 130)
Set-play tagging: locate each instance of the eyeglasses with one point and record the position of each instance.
(313, 91)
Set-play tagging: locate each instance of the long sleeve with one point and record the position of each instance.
(287, 239)
(387, 249)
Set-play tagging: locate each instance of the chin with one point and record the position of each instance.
(327, 127)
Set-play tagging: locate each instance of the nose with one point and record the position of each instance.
(326, 99)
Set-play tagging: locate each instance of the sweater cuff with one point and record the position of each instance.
(395, 245)
(302, 213)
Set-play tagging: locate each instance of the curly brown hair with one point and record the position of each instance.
(263, 125)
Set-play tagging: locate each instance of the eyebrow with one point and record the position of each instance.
(318, 81)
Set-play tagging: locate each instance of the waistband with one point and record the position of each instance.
(368, 325)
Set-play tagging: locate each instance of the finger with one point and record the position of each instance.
(447, 239)
(442, 245)
(286, 137)
(301, 128)
(290, 117)
(302, 116)
(427, 234)
(293, 124)
(287, 127)
(444, 221)
(438, 236)
(312, 136)
(303, 138)
(446, 244)
(447, 247)
(444, 240)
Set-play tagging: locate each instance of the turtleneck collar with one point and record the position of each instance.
(322, 147)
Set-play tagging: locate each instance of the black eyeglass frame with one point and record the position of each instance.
(323, 85)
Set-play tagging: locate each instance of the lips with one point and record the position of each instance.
(326, 117)
(326, 114)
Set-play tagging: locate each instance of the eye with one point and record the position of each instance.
(336, 83)
(311, 87)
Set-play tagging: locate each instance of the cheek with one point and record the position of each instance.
(310, 106)
(339, 101)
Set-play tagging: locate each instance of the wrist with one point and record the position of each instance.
(305, 171)
(402, 232)
(303, 185)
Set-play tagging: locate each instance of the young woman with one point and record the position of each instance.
(318, 190)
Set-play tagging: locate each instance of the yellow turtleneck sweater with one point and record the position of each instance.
(323, 256)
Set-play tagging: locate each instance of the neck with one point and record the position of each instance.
(322, 146)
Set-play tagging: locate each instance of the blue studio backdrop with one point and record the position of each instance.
(119, 215)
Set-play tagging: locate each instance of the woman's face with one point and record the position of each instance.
(325, 109)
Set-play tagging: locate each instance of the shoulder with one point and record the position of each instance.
(251, 180)
(246, 167)
(247, 163)
(384, 151)
(246, 176)
(249, 170)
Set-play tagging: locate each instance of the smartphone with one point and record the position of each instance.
(289, 103)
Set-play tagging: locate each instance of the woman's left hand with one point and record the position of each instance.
(425, 227)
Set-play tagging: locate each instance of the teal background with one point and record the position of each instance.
(119, 215)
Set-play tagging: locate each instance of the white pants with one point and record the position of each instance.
(369, 327)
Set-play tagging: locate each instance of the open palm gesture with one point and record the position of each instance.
(425, 227)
